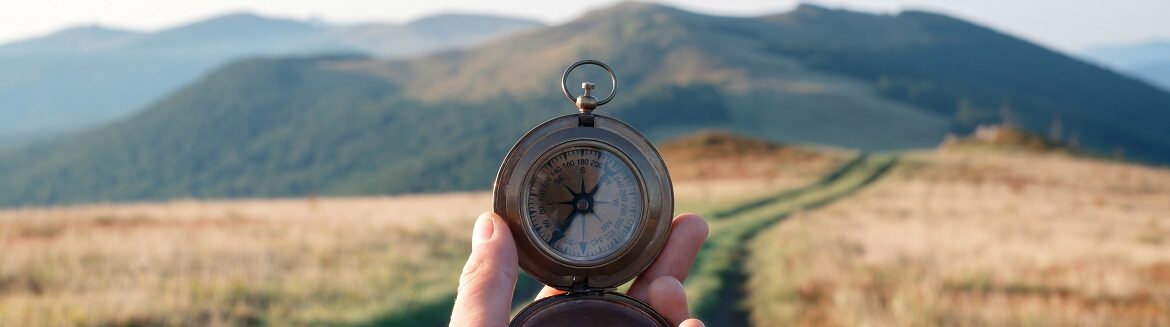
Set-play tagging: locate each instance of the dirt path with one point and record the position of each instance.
(716, 288)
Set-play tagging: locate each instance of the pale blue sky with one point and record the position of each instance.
(1068, 25)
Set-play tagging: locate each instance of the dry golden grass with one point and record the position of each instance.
(950, 239)
(307, 261)
(975, 239)
(296, 261)
(716, 170)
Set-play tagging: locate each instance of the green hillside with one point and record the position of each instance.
(272, 127)
(86, 76)
(351, 125)
(976, 75)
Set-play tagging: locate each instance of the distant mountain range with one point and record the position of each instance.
(88, 75)
(1149, 60)
(343, 125)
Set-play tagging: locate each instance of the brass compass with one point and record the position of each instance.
(590, 202)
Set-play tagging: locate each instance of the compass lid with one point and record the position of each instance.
(606, 309)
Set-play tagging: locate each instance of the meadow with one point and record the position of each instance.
(302, 261)
(799, 236)
(975, 239)
(217, 263)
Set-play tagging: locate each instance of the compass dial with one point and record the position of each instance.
(583, 202)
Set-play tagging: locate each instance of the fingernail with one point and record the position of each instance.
(484, 228)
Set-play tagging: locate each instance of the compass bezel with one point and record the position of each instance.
(653, 225)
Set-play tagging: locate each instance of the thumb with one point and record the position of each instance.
(489, 277)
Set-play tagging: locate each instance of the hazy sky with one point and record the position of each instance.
(1068, 25)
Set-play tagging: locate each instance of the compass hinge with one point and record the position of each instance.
(580, 284)
(585, 119)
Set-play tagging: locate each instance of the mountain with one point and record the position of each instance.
(868, 81)
(978, 76)
(341, 125)
(1149, 60)
(84, 76)
(679, 70)
(442, 31)
(80, 39)
(232, 34)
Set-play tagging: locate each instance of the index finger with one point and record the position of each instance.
(687, 233)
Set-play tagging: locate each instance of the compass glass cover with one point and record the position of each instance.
(583, 202)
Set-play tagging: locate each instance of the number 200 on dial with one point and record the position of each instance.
(583, 202)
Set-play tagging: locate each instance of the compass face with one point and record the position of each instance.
(583, 202)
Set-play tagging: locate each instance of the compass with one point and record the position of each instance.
(590, 202)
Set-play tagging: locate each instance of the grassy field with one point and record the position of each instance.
(798, 236)
(277, 262)
(716, 290)
(975, 239)
(310, 261)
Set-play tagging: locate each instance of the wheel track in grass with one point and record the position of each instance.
(715, 288)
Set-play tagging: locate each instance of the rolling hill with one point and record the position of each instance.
(83, 76)
(356, 125)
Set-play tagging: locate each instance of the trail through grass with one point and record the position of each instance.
(715, 286)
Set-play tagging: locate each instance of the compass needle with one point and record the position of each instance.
(560, 232)
(622, 196)
(600, 177)
(569, 189)
(582, 179)
(582, 242)
(584, 227)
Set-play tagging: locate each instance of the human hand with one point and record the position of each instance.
(489, 277)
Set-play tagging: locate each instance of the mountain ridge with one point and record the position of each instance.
(346, 125)
(986, 67)
(79, 38)
(81, 76)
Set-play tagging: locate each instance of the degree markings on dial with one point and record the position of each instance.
(617, 204)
